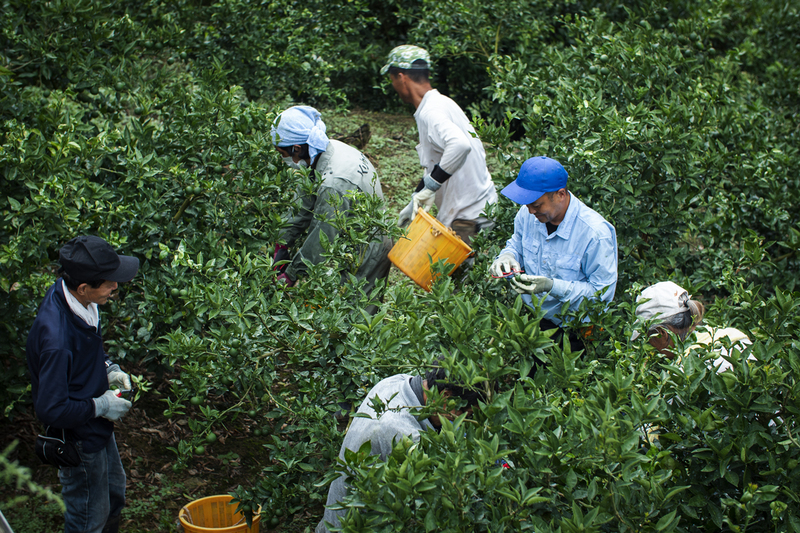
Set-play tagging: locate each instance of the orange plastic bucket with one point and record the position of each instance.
(216, 514)
(427, 240)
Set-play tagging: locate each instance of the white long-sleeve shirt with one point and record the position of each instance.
(448, 139)
(397, 421)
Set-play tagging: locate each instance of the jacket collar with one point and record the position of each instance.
(425, 99)
(61, 302)
(324, 159)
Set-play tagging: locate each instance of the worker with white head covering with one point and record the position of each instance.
(339, 170)
(297, 132)
(666, 313)
(667, 310)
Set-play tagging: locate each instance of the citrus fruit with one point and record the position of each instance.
(252, 413)
(200, 450)
(211, 437)
(196, 400)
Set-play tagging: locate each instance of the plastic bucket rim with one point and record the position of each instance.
(456, 249)
(201, 529)
(434, 222)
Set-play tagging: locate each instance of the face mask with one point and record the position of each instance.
(291, 164)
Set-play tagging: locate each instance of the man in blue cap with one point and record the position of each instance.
(561, 250)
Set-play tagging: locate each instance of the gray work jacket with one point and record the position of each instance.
(341, 169)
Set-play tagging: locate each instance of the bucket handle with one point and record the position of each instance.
(435, 232)
(186, 515)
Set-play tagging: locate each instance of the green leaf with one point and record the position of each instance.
(667, 521)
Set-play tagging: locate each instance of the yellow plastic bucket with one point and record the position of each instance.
(216, 514)
(427, 237)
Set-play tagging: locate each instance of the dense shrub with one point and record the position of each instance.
(147, 123)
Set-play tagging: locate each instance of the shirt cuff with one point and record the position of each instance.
(560, 288)
(431, 183)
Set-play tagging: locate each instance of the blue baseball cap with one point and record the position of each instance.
(537, 176)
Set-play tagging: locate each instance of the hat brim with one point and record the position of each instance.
(128, 267)
(385, 69)
(517, 194)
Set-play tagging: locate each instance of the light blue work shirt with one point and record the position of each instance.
(580, 256)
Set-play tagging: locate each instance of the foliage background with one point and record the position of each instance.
(147, 123)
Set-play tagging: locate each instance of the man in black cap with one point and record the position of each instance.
(72, 376)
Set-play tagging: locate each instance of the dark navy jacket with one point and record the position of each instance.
(68, 368)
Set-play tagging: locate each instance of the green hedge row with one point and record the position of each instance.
(147, 123)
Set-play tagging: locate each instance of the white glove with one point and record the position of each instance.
(406, 215)
(423, 199)
(118, 377)
(503, 265)
(111, 406)
(525, 284)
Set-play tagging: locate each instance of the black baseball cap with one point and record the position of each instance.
(90, 258)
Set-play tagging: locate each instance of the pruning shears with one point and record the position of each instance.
(514, 272)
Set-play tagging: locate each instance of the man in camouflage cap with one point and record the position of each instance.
(456, 178)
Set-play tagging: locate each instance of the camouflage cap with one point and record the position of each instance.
(404, 56)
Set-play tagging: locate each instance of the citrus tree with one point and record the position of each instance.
(148, 124)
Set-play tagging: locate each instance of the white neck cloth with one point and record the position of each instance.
(87, 314)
